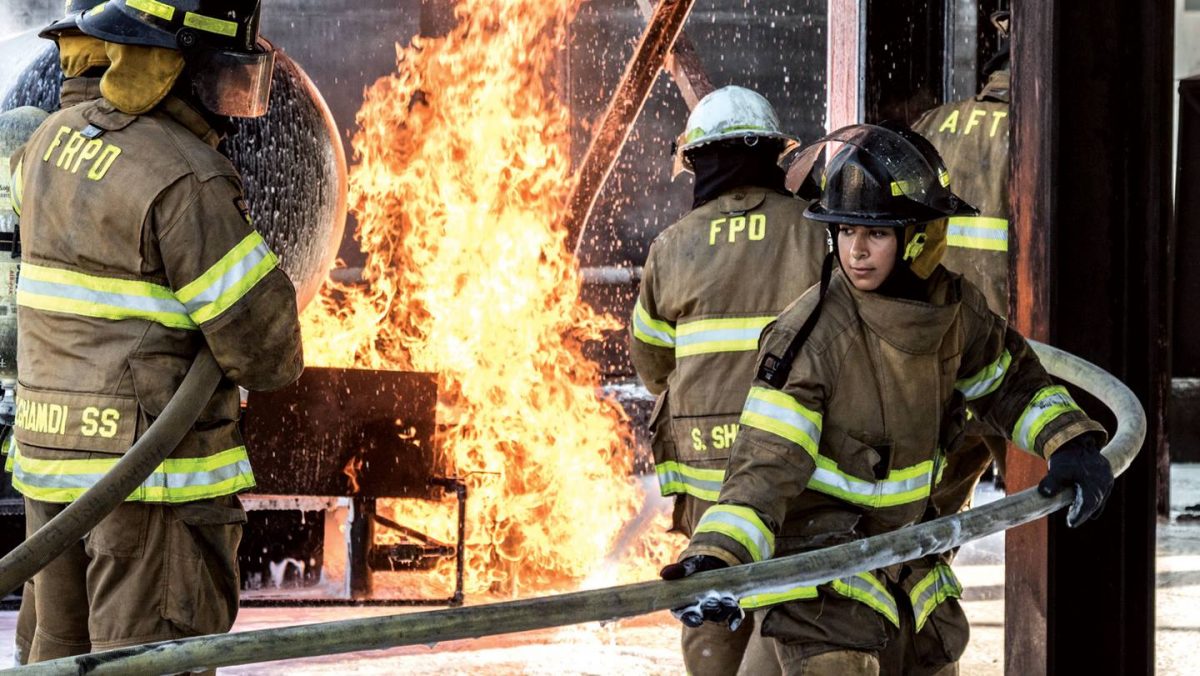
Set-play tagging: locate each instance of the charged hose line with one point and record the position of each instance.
(810, 568)
(138, 463)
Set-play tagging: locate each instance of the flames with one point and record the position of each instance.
(461, 175)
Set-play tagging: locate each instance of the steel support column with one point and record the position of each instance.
(1091, 209)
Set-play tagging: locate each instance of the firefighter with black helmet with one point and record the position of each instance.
(711, 282)
(861, 391)
(139, 250)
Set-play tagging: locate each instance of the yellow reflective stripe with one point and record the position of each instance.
(743, 526)
(68, 292)
(1046, 405)
(755, 601)
(987, 380)
(229, 279)
(210, 25)
(933, 589)
(978, 232)
(675, 478)
(124, 287)
(728, 334)
(864, 588)
(780, 414)
(901, 486)
(14, 195)
(158, 9)
(650, 330)
(174, 480)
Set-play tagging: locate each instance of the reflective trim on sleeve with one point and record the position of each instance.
(937, 586)
(1044, 407)
(902, 486)
(675, 478)
(987, 380)
(650, 330)
(864, 588)
(224, 284)
(977, 232)
(175, 480)
(743, 525)
(729, 334)
(76, 293)
(780, 414)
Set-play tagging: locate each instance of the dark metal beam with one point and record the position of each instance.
(1091, 203)
(648, 59)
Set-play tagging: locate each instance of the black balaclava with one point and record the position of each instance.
(902, 282)
(725, 165)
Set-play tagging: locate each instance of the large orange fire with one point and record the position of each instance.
(461, 175)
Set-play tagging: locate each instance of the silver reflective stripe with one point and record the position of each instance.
(718, 335)
(981, 233)
(159, 479)
(860, 589)
(675, 477)
(643, 329)
(937, 586)
(762, 548)
(834, 477)
(236, 273)
(987, 380)
(140, 303)
(786, 416)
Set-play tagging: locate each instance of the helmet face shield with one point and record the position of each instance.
(235, 84)
(870, 175)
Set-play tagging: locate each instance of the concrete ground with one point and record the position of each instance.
(649, 645)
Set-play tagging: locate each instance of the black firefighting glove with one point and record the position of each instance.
(1079, 463)
(712, 607)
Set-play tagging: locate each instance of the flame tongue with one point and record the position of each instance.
(461, 180)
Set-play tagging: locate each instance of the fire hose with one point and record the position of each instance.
(774, 575)
(138, 463)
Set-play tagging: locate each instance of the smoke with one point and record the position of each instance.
(16, 17)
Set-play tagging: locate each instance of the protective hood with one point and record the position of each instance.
(139, 77)
(79, 53)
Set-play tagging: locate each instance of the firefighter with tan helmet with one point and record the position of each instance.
(138, 251)
(712, 281)
(860, 392)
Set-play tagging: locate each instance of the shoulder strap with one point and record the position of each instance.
(774, 369)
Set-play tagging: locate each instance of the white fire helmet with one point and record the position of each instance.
(729, 113)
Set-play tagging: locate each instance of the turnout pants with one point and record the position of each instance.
(147, 572)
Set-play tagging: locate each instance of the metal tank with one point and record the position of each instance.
(291, 160)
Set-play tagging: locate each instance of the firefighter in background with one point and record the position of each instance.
(712, 281)
(972, 136)
(138, 251)
(860, 393)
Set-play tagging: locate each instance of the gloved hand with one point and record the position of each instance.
(712, 607)
(1079, 463)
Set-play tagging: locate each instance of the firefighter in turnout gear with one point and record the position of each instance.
(138, 251)
(860, 393)
(712, 281)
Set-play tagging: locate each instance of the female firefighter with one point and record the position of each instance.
(861, 390)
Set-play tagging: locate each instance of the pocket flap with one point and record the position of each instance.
(75, 422)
